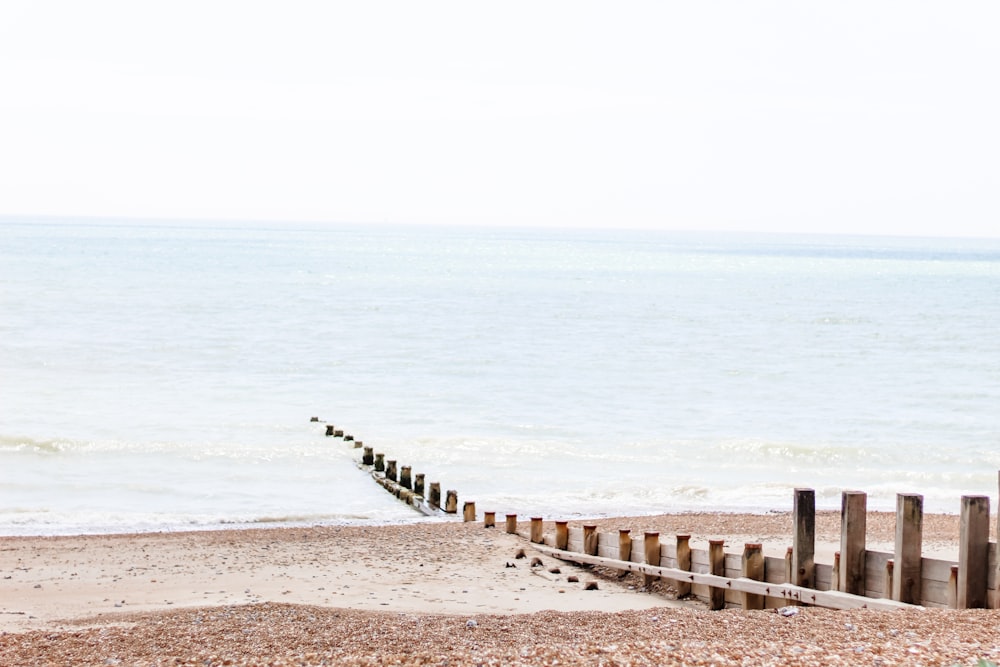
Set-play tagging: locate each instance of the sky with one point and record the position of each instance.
(851, 117)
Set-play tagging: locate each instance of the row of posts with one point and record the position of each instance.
(968, 582)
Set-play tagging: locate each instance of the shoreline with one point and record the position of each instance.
(434, 574)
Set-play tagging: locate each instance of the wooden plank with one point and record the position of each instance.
(935, 593)
(909, 537)
(824, 577)
(829, 599)
(936, 570)
(875, 573)
(853, 526)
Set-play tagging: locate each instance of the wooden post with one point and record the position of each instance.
(368, 457)
(418, 484)
(590, 540)
(953, 588)
(753, 568)
(512, 524)
(329, 430)
(788, 567)
(451, 502)
(835, 573)
(468, 511)
(717, 566)
(358, 444)
(909, 538)
(890, 577)
(390, 470)
(536, 530)
(380, 463)
(338, 432)
(651, 550)
(435, 499)
(804, 538)
(683, 563)
(489, 519)
(624, 544)
(853, 526)
(404, 477)
(973, 552)
(562, 535)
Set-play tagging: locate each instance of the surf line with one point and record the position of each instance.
(407, 486)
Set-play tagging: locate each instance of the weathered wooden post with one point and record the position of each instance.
(512, 524)
(537, 536)
(339, 433)
(418, 484)
(890, 579)
(651, 551)
(909, 538)
(489, 519)
(953, 588)
(358, 444)
(562, 535)
(315, 419)
(853, 528)
(835, 574)
(404, 477)
(624, 544)
(973, 552)
(348, 437)
(590, 540)
(390, 470)
(451, 502)
(468, 511)
(329, 430)
(368, 457)
(380, 463)
(753, 568)
(435, 499)
(717, 566)
(804, 538)
(683, 563)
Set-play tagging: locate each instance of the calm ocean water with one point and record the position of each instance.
(162, 376)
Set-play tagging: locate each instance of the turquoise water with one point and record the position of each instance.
(159, 376)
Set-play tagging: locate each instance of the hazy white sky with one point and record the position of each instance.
(875, 117)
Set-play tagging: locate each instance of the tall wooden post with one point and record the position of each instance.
(853, 526)
(489, 519)
(973, 552)
(624, 544)
(435, 499)
(804, 538)
(418, 484)
(536, 530)
(683, 563)
(717, 566)
(380, 463)
(468, 511)
(511, 524)
(590, 540)
(909, 539)
(451, 502)
(753, 568)
(562, 535)
(390, 470)
(329, 430)
(404, 477)
(651, 549)
(368, 456)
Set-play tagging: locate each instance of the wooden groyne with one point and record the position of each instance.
(857, 577)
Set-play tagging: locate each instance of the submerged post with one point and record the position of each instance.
(562, 535)
(804, 538)
(651, 551)
(973, 552)
(753, 568)
(683, 563)
(853, 527)
(717, 566)
(909, 538)
(329, 430)
(511, 524)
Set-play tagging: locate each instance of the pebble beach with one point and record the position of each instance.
(435, 593)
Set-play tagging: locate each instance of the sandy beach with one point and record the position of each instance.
(432, 593)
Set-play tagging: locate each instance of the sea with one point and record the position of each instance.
(162, 375)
